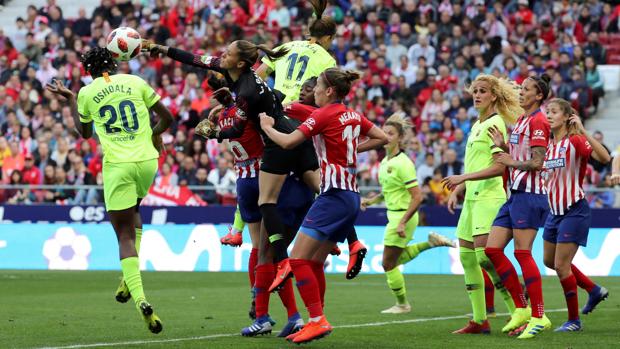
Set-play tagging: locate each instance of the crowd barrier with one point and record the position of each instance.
(196, 247)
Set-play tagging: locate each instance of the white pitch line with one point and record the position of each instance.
(222, 335)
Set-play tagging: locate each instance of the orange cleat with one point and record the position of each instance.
(357, 252)
(335, 251)
(232, 239)
(313, 331)
(283, 273)
(475, 328)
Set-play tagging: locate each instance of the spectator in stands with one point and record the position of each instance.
(166, 177)
(598, 166)
(30, 173)
(594, 80)
(452, 166)
(81, 26)
(604, 199)
(279, 16)
(187, 173)
(422, 49)
(200, 179)
(427, 168)
(223, 178)
(79, 175)
(395, 51)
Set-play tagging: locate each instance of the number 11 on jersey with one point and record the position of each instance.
(351, 135)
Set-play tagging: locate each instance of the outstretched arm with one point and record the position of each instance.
(85, 129)
(206, 62)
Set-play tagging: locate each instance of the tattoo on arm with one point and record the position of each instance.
(535, 163)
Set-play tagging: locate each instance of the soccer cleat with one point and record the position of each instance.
(357, 252)
(232, 239)
(597, 295)
(517, 319)
(518, 331)
(569, 326)
(475, 328)
(283, 273)
(436, 240)
(313, 331)
(153, 322)
(261, 326)
(122, 292)
(398, 309)
(335, 251)
(535, 327)
(294, 325)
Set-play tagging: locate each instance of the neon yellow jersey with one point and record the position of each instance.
(119, 108)
(396, 176)
(303, 61)
(479, 156)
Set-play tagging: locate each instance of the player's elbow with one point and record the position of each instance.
(605, 159)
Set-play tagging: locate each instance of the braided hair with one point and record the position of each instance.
(99, 60)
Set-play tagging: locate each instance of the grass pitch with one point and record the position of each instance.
(77, 310)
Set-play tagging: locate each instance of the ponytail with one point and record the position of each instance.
(248, 52)
(322, 26)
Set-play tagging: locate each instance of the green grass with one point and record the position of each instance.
(50, 309)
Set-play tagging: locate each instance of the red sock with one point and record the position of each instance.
(533, 282)
(507, 274)
(319, 273)
(582, 280)
(569, 284)
(308, 286)
(252, 266)
(287, 295)
(265, 274)
(489, 291)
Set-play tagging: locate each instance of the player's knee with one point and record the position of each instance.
(549, 262)
(562, 268)
(387, 266)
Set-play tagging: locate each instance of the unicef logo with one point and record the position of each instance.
(67, 250)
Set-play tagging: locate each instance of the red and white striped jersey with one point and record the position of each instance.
(530, 131)
(247, 149)
(336, 130)
(299, 111)
(565, 168)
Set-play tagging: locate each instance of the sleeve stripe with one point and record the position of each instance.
(411, 181)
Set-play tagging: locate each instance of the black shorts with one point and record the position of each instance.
(282, 162)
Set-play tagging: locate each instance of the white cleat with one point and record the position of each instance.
(398, 309)
(436, 240)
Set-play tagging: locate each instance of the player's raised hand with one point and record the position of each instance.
(575, 120)
(266, 121)
(504, 159)
(615, 179)
(207, 129)
(57, 87)
(497, 137)
(153, 49)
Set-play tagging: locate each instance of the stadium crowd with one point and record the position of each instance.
(417, 57)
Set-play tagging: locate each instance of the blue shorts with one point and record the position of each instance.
(523, 211)
(295, 200)
(571, 227)
(247, 199)
(332, 216)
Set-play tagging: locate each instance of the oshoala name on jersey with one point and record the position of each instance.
(111, 89)
(349, 116)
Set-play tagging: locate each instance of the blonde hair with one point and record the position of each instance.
(567, 110)
(507, 96)
(401, 124)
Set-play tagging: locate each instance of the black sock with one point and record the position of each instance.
(275, 229)
(352, 237)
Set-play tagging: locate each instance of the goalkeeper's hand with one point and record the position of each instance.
(153, 49)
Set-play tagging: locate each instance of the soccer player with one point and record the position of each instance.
(119, 105)
(335, 130)
(496, 101)
(526, 210)
(567, 226)
(402, 196)
(306, 59)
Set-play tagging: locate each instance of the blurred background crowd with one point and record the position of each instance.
(417, 57)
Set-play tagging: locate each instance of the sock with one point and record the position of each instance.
(411, 252)
(252, 266)
(396, 282)
(486, 264)
(308, 286)
(287, 296)
(352, 236)
(582, 280)
(238, 223)
(319, 273)
(138, 239)
(508, 275)
(265, 274)
(473, 283)
(275, 229)
(131, 275)
(489, 292)
(569, 284)
(533, 282)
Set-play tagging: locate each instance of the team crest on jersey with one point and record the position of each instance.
(562, 150)
(389, 169)
(555, 163)
(207, 60)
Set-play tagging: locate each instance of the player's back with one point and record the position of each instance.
(303, 61)
(118, 105)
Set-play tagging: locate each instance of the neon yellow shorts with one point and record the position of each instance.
(125, 183)
(477, 218)
(391, 238)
